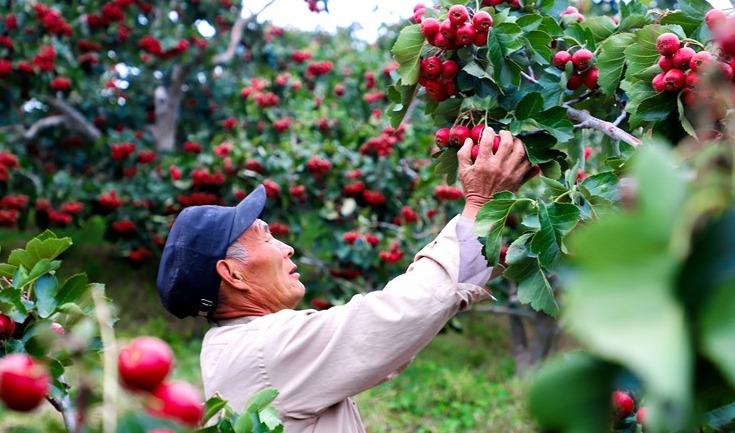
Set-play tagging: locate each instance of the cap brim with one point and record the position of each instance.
(247, 211)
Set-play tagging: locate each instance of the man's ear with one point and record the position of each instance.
(230, 274)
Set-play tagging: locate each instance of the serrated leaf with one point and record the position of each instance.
(12, 296)
(446, 112)
(448, 164)
(690, 24)
(529, 106)
(45, 289)
(503, 40)
(261, 399)
(212, 407)
(611, 61)
(74, 289)
(657, 107)
(683, 118)
(405, 95)
(7, 270)
(518, 249)
(490, 222)
(533, 286)
(601, 27)
(269, 417)
(603, 185)
(555, 122)
(474, 69)
(555, 187)
(406, 51)
(551, 87)
(45, 246)
(538, 42)
(557, 220)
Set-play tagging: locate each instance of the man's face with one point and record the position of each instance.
(268, 269)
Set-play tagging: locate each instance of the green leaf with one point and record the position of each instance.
(551, 87)
(269, 417)
(718, 329)
(400, 108)
(533, 286)
(261, 399)
(503, 40)
(244, 423)
(45, 246)
(529, 106)
(601, 26)
(490, 222)
(557, 220)
(602, 184)
(74, 289)
(538, 42)
(13, 296)
(446, 112)
(565, 384)
(474, 69)
(632, 14)
(555, 187)
(643, 53)
(45, 290)
(7, 270)
(406, 51)
(683, 119)
(555, 122)
(611, 61)
(448, 164)
(657, 107)
(212, 407)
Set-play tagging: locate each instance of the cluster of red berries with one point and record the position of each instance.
(458, 134)
(583, 70)
(459, 29)
(143, 366)
(120, 151)
(393, 255)
(383, 144)
(624, 405)
(571, 15)
(318, 167)
(514, 4)
(438, 76)
(316, 5)
(447, 193)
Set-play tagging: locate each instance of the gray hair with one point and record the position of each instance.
(236, 250)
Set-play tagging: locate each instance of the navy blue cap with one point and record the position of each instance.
(188, 283)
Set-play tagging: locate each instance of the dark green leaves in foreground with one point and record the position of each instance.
(407, 50)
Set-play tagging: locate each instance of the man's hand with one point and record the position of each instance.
(504, 170)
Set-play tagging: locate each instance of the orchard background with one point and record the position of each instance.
(616, 257)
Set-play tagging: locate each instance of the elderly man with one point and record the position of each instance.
(223, 263)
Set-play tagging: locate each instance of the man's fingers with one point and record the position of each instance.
(465, 154)
(505, 148)
(486, 144)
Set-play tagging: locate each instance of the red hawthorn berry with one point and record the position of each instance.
(429, 27)
(447, 29)
(658, 82)
(441, 137)
(179, 401)
(496, 144)
(433, 65)
(700, 60)
(693, 80)
(682, 58)
(590, 77)
(144, 363)
(667, 44)
(458, 15)
(450, 69)
(623, 404)
(450, 88)
(714, 17)
(560, 59)
(674, 80)
(727, 70)
(480, 39)
(465, 34)
(476, 133)
(60, 84)
(435, 89)
(24, 383)
(575, 81)
(58, 328)
(475, 151)
(482, 21)
(441, 41)
(458, 135)
(581, 59)
(666, 63)
(640, 416)
(418, 16)
(418, 6)
(7, 327)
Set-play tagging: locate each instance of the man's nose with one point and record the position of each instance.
(288, 249)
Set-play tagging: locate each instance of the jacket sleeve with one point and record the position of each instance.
(319, 359)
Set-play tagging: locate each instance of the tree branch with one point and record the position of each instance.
(587, 120)
(75, 120)
(35, 129)
(236, 35)
(497, 309)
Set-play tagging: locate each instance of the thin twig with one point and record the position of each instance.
(236, 35)
(587, 120)
(75, 120)
(495, 309)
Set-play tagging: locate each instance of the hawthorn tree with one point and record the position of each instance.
(642, 279)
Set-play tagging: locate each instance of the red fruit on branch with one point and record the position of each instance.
(450, 69)
(640, 416)
(575, 81)
(666, 63)
(476, 133)
(482, 21)
(581, 59)
(623, 404)
(441, 137)
(682, 58)
(475, 151)
(7, 327)
(429, 27)
(700, 60)
(496, 143)
(178, 401)
(590, 77)
(658, 82)
(447, 29)
(144, 363)
(23, 382)
(560, 59)
(465, 34)
(435, 90)
(674, 80)
(480, 39)
(714, 17)
(458, 135)
(458, 15)
(667, 44)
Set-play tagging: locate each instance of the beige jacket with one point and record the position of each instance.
(319, 360)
